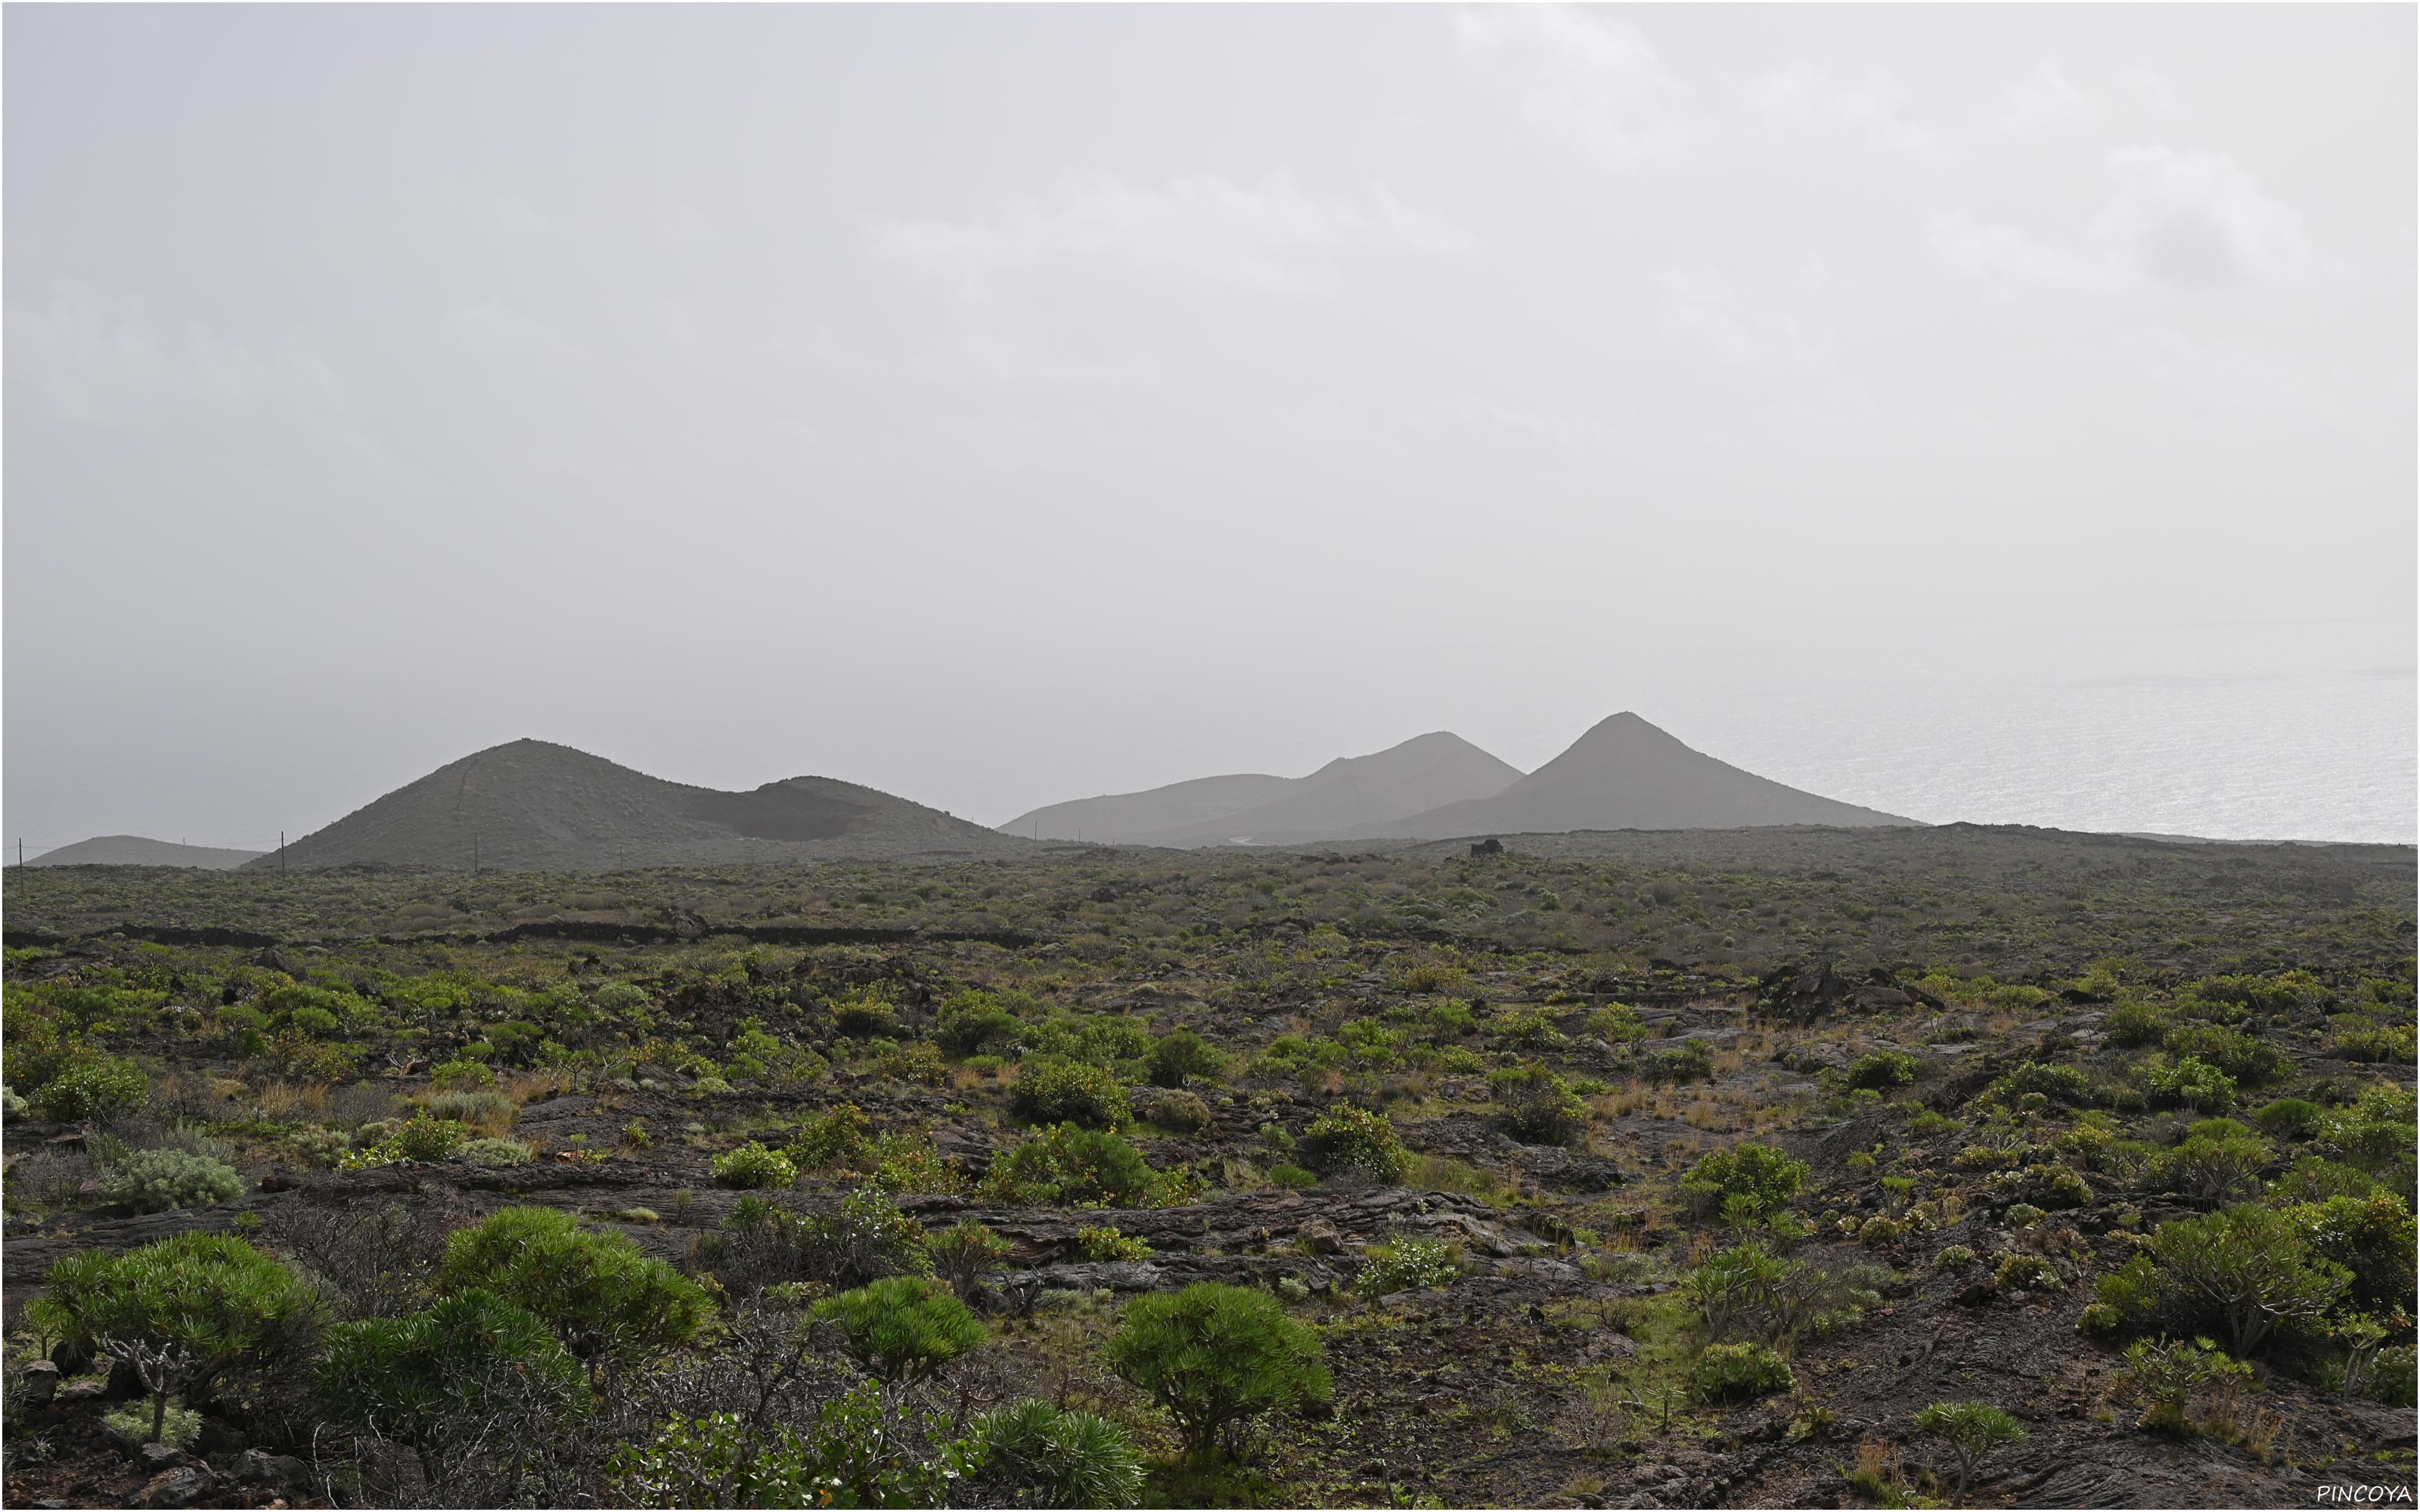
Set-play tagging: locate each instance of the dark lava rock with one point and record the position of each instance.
(189, 1485)
(257, 1467)
(568, 1106)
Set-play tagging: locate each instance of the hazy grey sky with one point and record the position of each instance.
(1005, 404)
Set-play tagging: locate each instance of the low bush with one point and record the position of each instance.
(1739, 1372)
(98, 1088)
(609, 1304)
(1883, 1071)
(157, 1181)
(2185, 1082)
(2291, 1118)
(1104, 1243)
(752, 1167)
(1178, 1112)
(2018, 1271)
(1069, 1091)
(421, 1377)
(1347, 1138)
(2170, 1379)
(1539, 1107)
(495, 1152)
(1405, 1263)
(1071, 1167)
(901, 1329)
(1691, 1060)
(1760, 1173)
(964, 1252)
(192, 1307)
(1037, 1454)
(2240, 1274)
(1180, 1057)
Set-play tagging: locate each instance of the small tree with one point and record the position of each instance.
(179, 1311)
(901, 1328)
(2244, 1272)
(1215, 1357)
(609, 1304)
(1973, 1430)
(963, 1252)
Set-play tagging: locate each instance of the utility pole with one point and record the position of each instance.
(281, 853)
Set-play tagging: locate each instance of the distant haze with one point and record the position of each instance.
(1964, 412)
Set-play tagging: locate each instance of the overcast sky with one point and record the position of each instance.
(999, 405)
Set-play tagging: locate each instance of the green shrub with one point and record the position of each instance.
(2187, 1081)
(2059, 1084)
(1738, 1372)
(1347, 1138)
(2054, 1187)
(460, 1076)
(2133, 1026)
(1954, 1258)
(1615, 1024)
(419, 1138)
(1884, 1070)
(753, 1166)
(156, 1181)
(1069, 1166)
(98, 1089)
(1974, 1430)
(1526, 1028)
(1214, 1357)
(2018, 1271)
(2214, 1167)
(197, 1305)
(1760, 1173)
(1284, 1174)
(1539, 1106)
(609, 1304)
(2371, 1236)
(972, 1025)
(838, 1137)
(1880, 1229)
(2166, 1376)
(1105, 1243)
(901, 1328)
(2390, 1044)
(1180, 1057)
(962, 1253)
(418, 1377)
(1181, 1112)
(1069, 1091)
(854, 1457)
(495, 1152)
(1691, 1060)
(911, 1164)
(1035, 1454)
(2241, 1274)
(1405, 1263)
(2232, 1051)
(865, 1014)
(2291, 1118)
